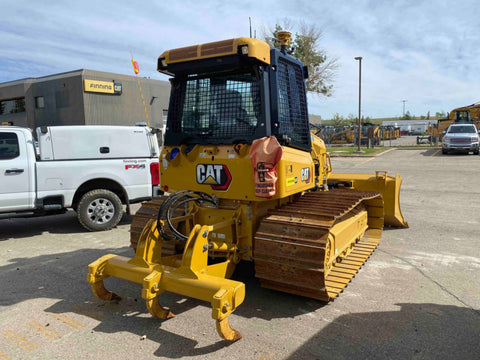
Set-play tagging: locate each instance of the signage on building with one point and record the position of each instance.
(104, 87)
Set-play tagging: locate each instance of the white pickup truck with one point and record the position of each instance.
(94, 170)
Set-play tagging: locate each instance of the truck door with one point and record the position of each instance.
(15, 182)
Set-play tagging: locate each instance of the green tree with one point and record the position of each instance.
(305, 46)
(441, 115)
(407, 116)
(352, 119)
(338, 120)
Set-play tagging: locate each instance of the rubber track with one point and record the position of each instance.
(290, 244)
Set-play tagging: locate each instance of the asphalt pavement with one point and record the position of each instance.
(416, 298)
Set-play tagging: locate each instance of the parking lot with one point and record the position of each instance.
(417, 296)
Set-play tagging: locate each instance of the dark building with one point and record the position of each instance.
(83, 97)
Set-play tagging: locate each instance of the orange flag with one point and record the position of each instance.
(135, 66)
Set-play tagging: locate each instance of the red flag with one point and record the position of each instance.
(135, 66)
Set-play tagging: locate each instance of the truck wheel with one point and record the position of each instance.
(99, 210)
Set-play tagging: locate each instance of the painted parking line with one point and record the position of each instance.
(43, 329)
(436, 152)
(3, 356)
(19, 340)
(68, 321)
(367, 160)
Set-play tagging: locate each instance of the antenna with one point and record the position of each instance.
(250, 20)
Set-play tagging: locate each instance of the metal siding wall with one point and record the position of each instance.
(66, 102)
(63, 101)
(127, 108)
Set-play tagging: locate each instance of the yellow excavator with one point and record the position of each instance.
(246, 181)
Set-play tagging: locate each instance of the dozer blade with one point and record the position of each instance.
(188, 275)
(388, 186)
(316, 244)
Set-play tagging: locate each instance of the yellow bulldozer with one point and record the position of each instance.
(246, 181)
(342, 135)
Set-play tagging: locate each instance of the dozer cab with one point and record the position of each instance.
(246, 181)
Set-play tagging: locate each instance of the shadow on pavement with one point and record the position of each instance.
(17, 228)
(436, 152)
(432, 152)
(416, 331)
(62, 275)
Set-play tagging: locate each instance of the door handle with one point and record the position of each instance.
(14, 171)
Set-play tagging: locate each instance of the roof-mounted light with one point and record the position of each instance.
(244, 49)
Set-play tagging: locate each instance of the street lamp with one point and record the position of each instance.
(359, 58)
(404, 107)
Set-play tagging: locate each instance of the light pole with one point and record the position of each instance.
(359, 58)
(404, 101)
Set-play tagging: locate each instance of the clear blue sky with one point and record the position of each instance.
(425, 52)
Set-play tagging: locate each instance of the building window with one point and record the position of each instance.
(39, 102)
(12, 106)
(9, 147)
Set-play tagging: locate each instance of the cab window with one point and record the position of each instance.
(9, 147)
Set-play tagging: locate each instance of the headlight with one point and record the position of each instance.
(446, 140)
(474, 138)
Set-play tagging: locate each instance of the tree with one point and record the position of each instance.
(305, 46)
(440, 115)
(407, 116)
(352, 119)
(337, 120)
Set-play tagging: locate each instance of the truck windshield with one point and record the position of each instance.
(462, 129)
(214, 108)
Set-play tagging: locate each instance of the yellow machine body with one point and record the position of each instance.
(388, 186)
(303, 236)
(213, 165)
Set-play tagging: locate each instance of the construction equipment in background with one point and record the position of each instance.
(469, 114)
(321, 131)
(396, 132)
(247, 181)
(389, 132)
(342, 135)
(324, 132)
(370, 135)
(386, 132)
